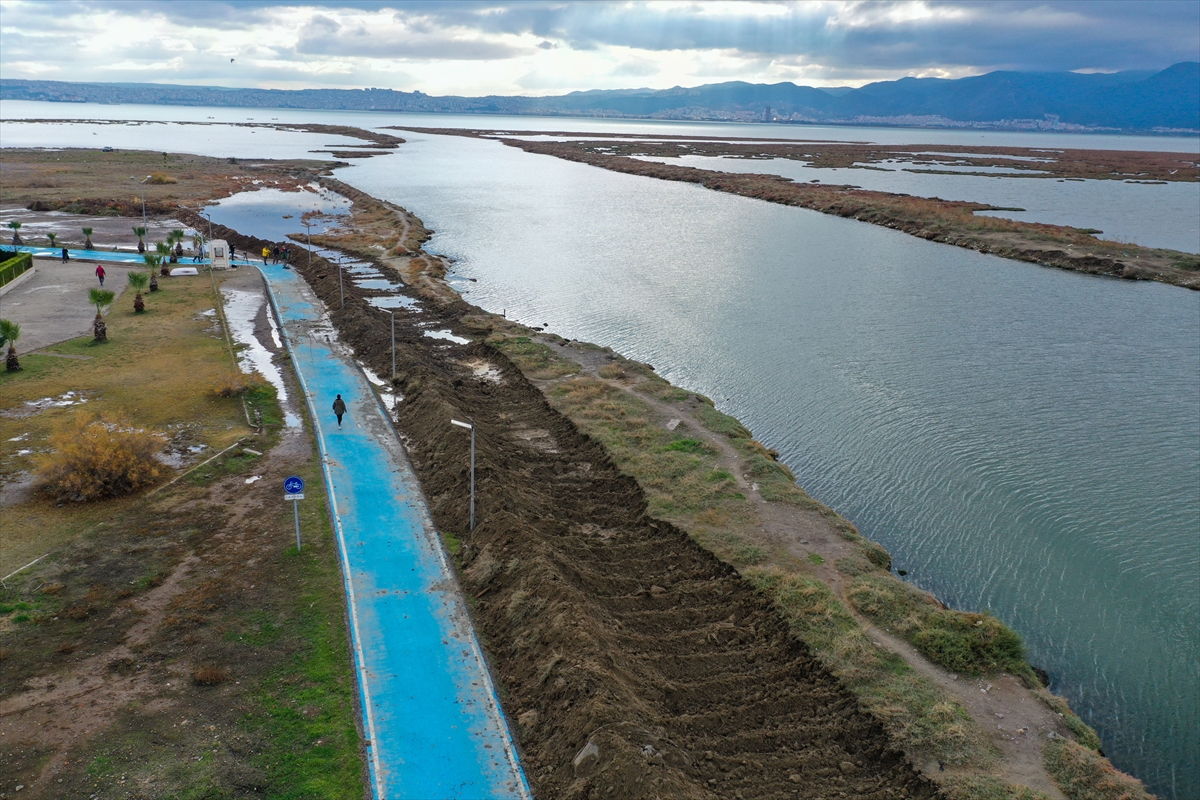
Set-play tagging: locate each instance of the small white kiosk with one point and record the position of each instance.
(219, 252)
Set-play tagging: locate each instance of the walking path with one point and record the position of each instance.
(53, 306)
(432, 720)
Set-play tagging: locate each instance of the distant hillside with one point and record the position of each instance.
(1166, 101)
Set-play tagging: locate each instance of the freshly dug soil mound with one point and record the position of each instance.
(631, 662)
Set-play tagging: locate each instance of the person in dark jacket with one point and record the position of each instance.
(66, 255)
(339, 408)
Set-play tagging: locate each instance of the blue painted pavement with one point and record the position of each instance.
(430, 712)
(114, 256)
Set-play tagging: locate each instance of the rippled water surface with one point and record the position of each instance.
(1023, 440)
(1152, 215)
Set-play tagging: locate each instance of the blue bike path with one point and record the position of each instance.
(432, 720)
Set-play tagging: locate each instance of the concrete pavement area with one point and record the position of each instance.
(53, 306)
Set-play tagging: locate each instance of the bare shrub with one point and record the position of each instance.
(161, 178)
(210, 676)
(236, 384)
(97, 457)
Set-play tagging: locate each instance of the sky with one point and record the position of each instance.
(545, 47)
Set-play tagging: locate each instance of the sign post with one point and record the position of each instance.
(293, 488)
(470, 426)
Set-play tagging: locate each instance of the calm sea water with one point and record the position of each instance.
(1023, 440)
(1152, 215)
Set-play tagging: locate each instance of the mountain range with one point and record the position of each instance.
(1137, 101)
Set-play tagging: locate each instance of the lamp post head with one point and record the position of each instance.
(468, 425)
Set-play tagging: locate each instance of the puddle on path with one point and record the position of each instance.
(395, 301)
(241, 309)
(448, 336)
(31, 407)
(386, 394)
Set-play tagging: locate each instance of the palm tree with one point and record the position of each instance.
(9, 333)
(141, 234)
(87, 233)
(177, 237)
(16, 229)
(153, 260)
(164, 252)
(139, 281)
(52, 236)
(101, 299)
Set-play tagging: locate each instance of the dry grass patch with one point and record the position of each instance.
(155, 373)
(1085, 775)
(97, 458)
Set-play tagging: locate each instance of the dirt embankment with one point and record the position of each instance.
(946, 221)
(632, 662)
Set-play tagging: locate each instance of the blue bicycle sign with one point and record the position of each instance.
(293, 485)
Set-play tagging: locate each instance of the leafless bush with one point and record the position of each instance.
(95, 458)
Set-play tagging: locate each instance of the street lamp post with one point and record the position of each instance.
(143, 184)
(341, 293)
(471, 427)
(308, 232)
(393, 315)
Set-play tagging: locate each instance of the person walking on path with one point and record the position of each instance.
(66, 255)
(339, 408)
(100, 273)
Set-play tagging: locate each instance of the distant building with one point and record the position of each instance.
(767, 114)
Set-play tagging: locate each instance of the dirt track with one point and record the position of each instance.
(632, 662)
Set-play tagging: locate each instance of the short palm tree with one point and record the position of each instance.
(9, 333)
(139, 281)
(141, 234)
(16, 229)
(87, 235)
(101, 299)
(52, 236)
(177, 237)
(153, 260)
(164, 253)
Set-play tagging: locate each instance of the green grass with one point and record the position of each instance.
(972, 644)
(535, 359)
(305, 706)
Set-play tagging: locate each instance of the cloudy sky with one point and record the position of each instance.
(542, 47)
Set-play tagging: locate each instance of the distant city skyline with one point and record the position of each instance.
(538, 47)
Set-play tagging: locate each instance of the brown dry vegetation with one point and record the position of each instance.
(92, 182)
(946, 221)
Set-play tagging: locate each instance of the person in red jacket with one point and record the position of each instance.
(100, 273)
